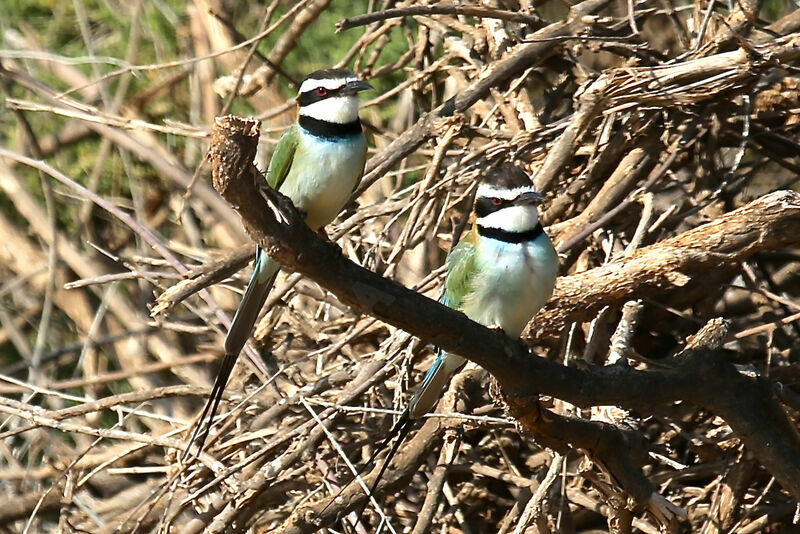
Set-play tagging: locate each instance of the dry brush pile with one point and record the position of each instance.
(662, 390)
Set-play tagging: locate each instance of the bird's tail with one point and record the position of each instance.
(264, 273)
(430, 390)
(421, 403)
(400, 430)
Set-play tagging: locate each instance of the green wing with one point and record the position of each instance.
(363, 163)
(282, 158)
(460, 274)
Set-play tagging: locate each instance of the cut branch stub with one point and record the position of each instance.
(233, 148)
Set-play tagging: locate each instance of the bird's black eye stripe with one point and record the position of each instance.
(309, 97)
(486, 205)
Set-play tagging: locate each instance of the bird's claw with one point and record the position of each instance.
(324, 235)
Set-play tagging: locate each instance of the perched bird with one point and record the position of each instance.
(318, 163)
(499, 275)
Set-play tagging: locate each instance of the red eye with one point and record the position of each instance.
(321, 91)
(496, 202)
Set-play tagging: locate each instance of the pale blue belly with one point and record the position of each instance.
(515, 280)
(323, 175)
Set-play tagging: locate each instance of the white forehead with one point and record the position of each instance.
(328, 83)
(490, 191)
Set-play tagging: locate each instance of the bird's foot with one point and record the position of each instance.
(324, 235)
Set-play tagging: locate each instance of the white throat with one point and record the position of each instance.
(338, 109)
(512, 219)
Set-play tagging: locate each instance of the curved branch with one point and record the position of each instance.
(411, 11)
(768, 223)
(702, 377)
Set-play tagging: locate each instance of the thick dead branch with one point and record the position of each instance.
(768, 223)
(703, 378)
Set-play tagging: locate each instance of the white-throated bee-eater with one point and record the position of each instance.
(500, 274)
(317, 163)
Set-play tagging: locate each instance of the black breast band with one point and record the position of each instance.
(511, 237)
(329, 129)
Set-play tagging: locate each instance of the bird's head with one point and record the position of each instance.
(506, 200)
(331, 95)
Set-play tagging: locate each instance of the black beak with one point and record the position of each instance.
(529, 197)
(355, 86)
